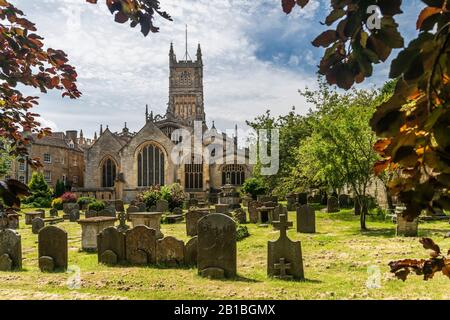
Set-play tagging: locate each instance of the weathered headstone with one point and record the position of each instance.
(190, 256)
(291, 199)
(140, 245)
(52, 243)
(53, 212)
(192, 218)
(74, 215)
(170, 251)
(344, 200)
(253, 206)
(90, 228)
(216, 246)
(162, 206)
(11, 247)
(13, 221)
(406, 228)
(113, 240)
(29, 216)
(6, 263)
(119, 205)
(286, 249)
(42, 213)
(332, 205)
(306, 219)
(279, 209)
(67, 207)
(222, 208)
(37, 224)
(123, 222)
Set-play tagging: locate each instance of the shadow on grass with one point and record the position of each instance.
(382, 232)
(306, 280)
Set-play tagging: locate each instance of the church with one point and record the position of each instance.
(177, 147)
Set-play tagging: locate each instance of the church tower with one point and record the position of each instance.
(186, 87)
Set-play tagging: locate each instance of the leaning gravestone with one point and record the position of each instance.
(170, 251)
(190, 255)
(53, 212)
(10, 250)
(111, 246)
(332, 205)
(284, 258)
(216, 256)
(192, 218)
(162, 206)
(306, 219)
(37, 224)
(52, 248)
(140, 245)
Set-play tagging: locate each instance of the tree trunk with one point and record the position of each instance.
(364, 211)
(390, 202)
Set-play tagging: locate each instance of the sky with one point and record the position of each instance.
(255, 58)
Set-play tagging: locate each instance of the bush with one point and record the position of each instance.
(82, 201)
(57, 204)
(69, 197)
(173, 194)
(96, 205)
(41, 194)
(255, 186)
(241, 232)
(59, 189)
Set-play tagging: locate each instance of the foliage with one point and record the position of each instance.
(84, 201)
(5, 158)
(57, 203)
(172, 193)
(96, 205)
(59, 188)
(414, 123)
(41, 194)
(427, 268)
(69, 197)
(241, 232)
(255, 186)
(11, 191)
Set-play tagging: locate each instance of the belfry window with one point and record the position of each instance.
(108, 173)
(150, 166)
(233, 174)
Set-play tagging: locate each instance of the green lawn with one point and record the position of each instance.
(336, 262)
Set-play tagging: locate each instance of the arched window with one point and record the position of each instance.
(150, 166)
(108, 173)
(233, 174)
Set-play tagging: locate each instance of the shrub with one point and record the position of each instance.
(57, 204)
(254, 186)
(41, 194)
(82, 201)
(173, 194)
(241, 232)
(96, 205)
(69, 197)
(59, 188)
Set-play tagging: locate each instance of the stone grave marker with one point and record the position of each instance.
(140, 245)
(10, 250)
(306, 219)
(110, 244)
(279, 209)
(286, 249)
(253, 206)
(291, 199)
(190, 256)
(74, 215)
(192, 218)
(344, 200)
(37, 224)
(332, 205)
(216, 256)
(53, 212)
(170, 251)
(90, 228)
(162, 206)
(119, 205)
(52, 248)
(222, 208)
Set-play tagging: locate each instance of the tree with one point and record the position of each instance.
(414, 123)
(41, 194)
(60, 188)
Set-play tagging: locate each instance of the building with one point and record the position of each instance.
(165, 150)
(62, 158)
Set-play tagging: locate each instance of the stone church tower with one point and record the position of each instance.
(186, 87)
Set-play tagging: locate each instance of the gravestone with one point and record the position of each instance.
(286, 249)
(170, 251)
(190, 256)
(119, 205)
(52, 246)
(253, 206)
(140, 245)
(216, 246)
(162, 206)
(240, 215)
(53, 212)
(10, 249)
(90, 214)
(192, 218)
(74, 215)
(406, 228)
(67, 207)
(279, 209)
(222, 208)
(37, 224)
(13, 221)
(123, 222)
(111, 239)
(302, 198)
(344, 200)
(42, 213)
(332, 205)
(291, 199)
(306, 219)
(132, 209)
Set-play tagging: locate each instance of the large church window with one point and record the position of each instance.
(150, 166)
(233, 174)
(108, 173)
(193, 175)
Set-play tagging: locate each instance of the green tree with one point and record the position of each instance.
(41, 194)
(60, 188)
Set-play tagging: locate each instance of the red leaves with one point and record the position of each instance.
(425, 14)
(427, 268)
(325, 39)
(288, 5)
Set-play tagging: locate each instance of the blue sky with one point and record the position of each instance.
(255, 58)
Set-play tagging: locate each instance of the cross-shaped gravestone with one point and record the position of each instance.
(283, 267)
(122, 225)
(282, 225)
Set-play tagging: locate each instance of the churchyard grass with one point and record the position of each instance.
(338, 261)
